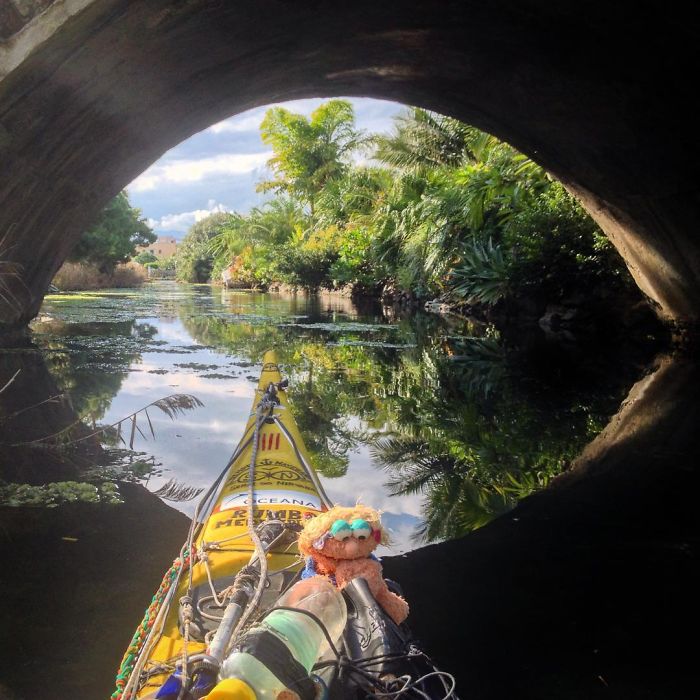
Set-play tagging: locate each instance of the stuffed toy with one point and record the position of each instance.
(338, 545)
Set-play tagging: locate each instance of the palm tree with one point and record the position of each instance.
(352, 198)
(271, 224)
(309, 152)
(423, 141)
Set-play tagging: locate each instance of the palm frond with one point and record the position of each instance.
(424, 140)
(173, 406)
(482, 275)
(482, 363)
(177, 492)
(412, 462)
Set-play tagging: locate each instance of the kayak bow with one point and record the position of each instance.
(268, 480)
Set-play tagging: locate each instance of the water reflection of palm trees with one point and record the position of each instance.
(486, 437)
(454, 502)
(450, 417)
(177, 491)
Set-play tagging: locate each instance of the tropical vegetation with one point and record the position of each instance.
(194, 260)
(437, 208)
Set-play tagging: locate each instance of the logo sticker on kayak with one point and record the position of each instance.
(271, 472)
(272, 498)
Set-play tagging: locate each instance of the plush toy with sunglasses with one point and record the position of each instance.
(339, 543)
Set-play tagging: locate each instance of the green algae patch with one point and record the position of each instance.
(72, 296)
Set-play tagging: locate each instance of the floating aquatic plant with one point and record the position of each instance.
(57, 493)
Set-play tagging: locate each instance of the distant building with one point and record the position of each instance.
(163, 247)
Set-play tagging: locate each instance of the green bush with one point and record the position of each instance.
(195, 267)
(145, 257)
(194, 260)
(308, 269)
(483, 275)
(558, 249)
(114, 237)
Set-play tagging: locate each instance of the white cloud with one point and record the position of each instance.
(241, 123)
(373, 492)
(184, 219)
(178, 172)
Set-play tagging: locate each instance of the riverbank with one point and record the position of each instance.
(580, 318)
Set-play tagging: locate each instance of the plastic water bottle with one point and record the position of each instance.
(293, 644)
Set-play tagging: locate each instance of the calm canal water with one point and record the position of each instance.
(438, 423)
(435, 423)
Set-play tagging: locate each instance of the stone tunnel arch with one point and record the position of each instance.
(94, 91)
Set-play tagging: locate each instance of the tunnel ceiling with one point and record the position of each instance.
(601, 94)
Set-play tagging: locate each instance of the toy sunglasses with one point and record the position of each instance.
(341, 530)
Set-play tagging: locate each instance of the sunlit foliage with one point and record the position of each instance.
(435, 208)
(194, 259)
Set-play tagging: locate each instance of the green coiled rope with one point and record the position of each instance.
(141, 634)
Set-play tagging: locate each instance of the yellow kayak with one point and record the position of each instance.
(265, 493)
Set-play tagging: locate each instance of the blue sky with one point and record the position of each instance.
(218, 168)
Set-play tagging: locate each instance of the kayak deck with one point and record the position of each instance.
(284, 488)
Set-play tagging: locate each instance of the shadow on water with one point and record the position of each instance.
(579, 566)
(587, 589)
(34, 406)
(85, 573)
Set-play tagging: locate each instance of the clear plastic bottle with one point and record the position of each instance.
(301, 635)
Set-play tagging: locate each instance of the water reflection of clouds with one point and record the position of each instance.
(195, 447)
(171, 331)
(365, 483)
(402, 528)
(150, 384)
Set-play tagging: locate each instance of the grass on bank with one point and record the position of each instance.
(84, 276)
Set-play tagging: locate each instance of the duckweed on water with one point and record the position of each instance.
(341, 327)
(58, 493)
(198, 366)
(372, 344)
(75, 296)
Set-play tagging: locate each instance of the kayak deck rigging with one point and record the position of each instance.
(240, 557)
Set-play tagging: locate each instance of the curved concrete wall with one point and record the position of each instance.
(93, 91)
